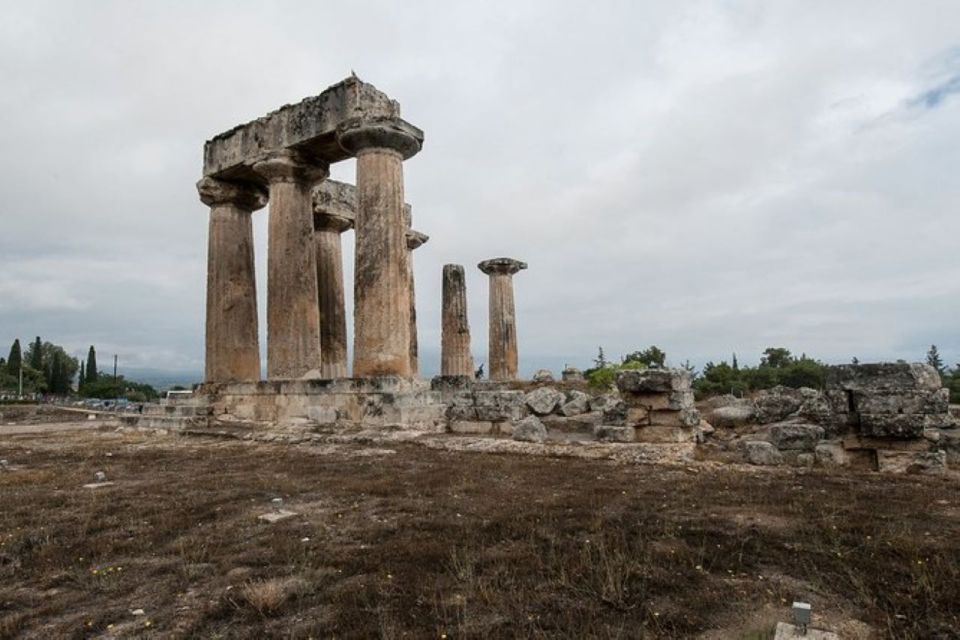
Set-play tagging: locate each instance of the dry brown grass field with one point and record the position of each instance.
(409, 542)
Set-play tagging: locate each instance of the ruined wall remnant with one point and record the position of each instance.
(659, 405)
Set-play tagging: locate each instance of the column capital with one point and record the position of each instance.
(244, 196)
(323, 221)
(290, 166)
(504, 266)
(416, 239)
(361, 134)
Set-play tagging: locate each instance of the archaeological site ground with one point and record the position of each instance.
(334, 492)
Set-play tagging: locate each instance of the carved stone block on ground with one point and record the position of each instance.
(612, 433)
(923, 462)
(578, 402)
(544, 400)
(530, 429)
(794, 435)
(760, 452)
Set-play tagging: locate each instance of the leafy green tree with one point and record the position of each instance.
(776, 357)
(15, 359)
(720, 378)
(652, 356)
(934, 360)
(91, 372)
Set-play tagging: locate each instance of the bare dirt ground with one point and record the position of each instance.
(413, 542)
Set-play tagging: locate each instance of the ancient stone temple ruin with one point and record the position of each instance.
(883, 417)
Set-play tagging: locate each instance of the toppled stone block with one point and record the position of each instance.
(543, 375)
(830, 454)
(638, 416)
(604, 402)
(615, 413)
(653, 381)
(892, 425)
(499, 405)
(760, 452)
(544, 400)
(577, 403)
(794, 435)
(530, 429)
(613, 433)
(733, 415)
(777, 404)
(572, 374)
(921, 462)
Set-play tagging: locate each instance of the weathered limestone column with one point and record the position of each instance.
(455, 356)
(232, 347)
(503, 323)
(381, 320)
(333, 317)
(415, 240)
(293, 316)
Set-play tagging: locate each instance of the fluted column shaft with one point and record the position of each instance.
(293, 317)
(455, 356)
(333, 318)
(503, 356)
(232, 350)
(415, 240)
(381, 320)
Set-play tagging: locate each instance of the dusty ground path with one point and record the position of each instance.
(406, 541)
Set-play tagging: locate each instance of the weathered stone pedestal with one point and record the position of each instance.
(388, 401)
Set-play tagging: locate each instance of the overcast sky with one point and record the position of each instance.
(711, 177)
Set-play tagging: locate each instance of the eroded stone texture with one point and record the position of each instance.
(415, 240)
(232, 346)
(329, 222)
(381, 342)
(503, 357)
(455, 356)
(293, 316)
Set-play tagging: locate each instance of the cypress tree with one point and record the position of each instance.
(91, 372)
(15, 359)
(81, 379)
(36, 355)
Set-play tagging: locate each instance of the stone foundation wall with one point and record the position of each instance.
(386, 401)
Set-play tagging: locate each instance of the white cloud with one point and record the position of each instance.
(708, 177)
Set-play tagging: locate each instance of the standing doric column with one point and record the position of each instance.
(381, 320)
(232, 347)
(503, 322)
(293, 316)
(333, 318)
(455, 356)
(415, 240)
